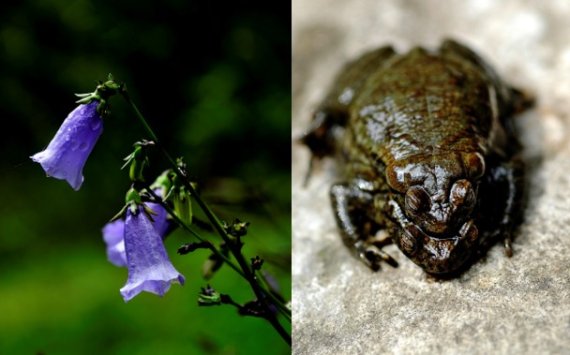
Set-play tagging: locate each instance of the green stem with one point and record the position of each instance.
(282, 308)
(211, 216)
(246, 272)
(188, 229)
(149, 130)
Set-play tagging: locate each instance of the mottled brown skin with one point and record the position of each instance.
(429, 155)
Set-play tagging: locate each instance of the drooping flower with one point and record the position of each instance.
(69, 149)
(114, 232)
(149, 267)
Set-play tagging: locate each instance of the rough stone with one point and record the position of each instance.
(500, 305)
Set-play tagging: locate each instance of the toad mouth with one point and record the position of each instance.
(436, 246)
(434, 253)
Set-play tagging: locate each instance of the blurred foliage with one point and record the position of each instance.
(214, 81)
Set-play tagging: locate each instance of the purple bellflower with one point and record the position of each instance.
(67, 152)
(149, 267)
(114, 233)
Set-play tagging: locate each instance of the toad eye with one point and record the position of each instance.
(417, 200)
(462, 194)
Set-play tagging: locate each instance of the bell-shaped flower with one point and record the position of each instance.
(149, 267)
(67, 152)
(114, 232)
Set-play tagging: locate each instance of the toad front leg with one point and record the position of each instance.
(505, 182)
(359, 215)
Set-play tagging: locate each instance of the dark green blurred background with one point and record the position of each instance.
(213, 79)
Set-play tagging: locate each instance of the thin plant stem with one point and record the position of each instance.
(211, 216)
(157, 199)
(284, 310)
(247, 272)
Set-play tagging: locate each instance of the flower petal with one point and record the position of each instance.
(69, 149)
(113, 235)
(160, 219)
(149, 267)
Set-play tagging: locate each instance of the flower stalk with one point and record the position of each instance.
(264, 297)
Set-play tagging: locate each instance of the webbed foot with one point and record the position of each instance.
(372, 256)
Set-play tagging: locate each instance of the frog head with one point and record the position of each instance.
(436, 196)
(442, 212)
(438, 192)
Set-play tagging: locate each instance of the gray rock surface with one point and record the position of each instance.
(519, 305)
